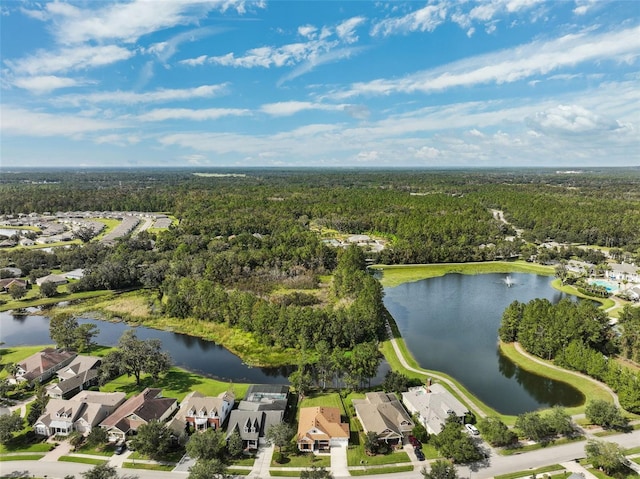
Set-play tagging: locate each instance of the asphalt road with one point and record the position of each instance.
(494, 465)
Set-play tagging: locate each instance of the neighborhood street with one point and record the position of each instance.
(496, 464)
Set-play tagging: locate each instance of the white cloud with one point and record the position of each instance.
(536, 58)
(571, 119)
(307, 31)
(156, 96)
(167, 49)
(128, 21)
(288, 108)
(162, 114)
(346, 30)
(18, 121)
(315, 61)
(426, 19)
(69, 59)
(45, 83)
(117, 139)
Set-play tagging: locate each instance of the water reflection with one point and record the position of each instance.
(450, 324)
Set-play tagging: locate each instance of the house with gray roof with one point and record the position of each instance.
(433, 404)
(202, 412)
(253, 426)
(383, 414)
(43, 365)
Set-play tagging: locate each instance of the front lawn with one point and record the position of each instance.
(150, 467)
(83, 460)
(381, 470)
(303, 460)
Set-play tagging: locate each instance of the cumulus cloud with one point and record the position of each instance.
(572, 120)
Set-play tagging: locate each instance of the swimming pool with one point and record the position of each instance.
(608, 285)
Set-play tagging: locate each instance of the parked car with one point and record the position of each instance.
(472, 429)
(415, 442)
(120, 448)
(419, 454)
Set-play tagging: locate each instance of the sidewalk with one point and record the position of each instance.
(573, 466)
(262, 463)
(60, 450)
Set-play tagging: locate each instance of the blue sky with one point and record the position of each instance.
(168, 83)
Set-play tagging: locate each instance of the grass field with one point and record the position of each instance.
(303, 460)
(83, 460)
(381, 470)
(531, 472)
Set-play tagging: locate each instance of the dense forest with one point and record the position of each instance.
(577, 335)
(247, 250)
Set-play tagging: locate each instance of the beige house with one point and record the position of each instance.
(383, 414)
(202, 412)
(62, 417)
(320, 428)
(433, 404)
(41, 366)
(143, 408)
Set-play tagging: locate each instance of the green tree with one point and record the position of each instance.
(209, 444)
(83, 337)
(48, 289)
(440, 469)
(105, 471)
(62, 329)
(605, 414)
(454, 444)
(153, 439)
(138, 356)
(315, 472)
(495, 432)
(560, 421)
(38, 405)
(208, 469)
(9, 423)
(17, 291)
(97, 437)
(607, 456)
(234, 444)
(533, 426)
(372, 442)
(419, 431)
(279, 435)
(301, 381)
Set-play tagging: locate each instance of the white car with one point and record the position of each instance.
(472, 429)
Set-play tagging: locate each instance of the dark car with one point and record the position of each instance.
(419, 454)
(415, 442)
(120, 448)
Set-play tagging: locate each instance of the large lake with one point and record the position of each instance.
(198, 355)
(450, 324)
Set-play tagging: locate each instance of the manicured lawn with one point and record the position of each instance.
(173, 457)
(151, 467)
(357, 457)
(283, 473)
(25, 441)
(530, 472)
(244, 461)
(33, 298)
(17, 354)
(381, 470)
(533, 447)
(304, 460)
(106, 451)
(633, 450)
(177, 383)
(316, 399)
(21, 457)
(588, 388)
(601, 475)
(84, 460)
(393, 275)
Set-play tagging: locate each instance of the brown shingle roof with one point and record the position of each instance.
(147, 405)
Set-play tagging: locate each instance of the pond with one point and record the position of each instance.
(450, 324)
(194, 354)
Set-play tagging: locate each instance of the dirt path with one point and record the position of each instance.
(535, 359)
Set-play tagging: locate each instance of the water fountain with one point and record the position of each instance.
(508, 281)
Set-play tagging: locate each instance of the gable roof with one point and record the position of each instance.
(434, 404)
(79, 365)
(197, 404)
(382, 413)
(148, 405)
(74, 382)
(321, 423)
(113, 399)
(252, 425)
(44, 360)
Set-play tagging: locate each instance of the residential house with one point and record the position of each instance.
(202, 412)
(263, 406)
(41, 366)
(6, 283)
(52, 278)
(70, 387)
(383, 414)
(62, 417)
(433, 404)
(320, 428)
(252, 426)
(624, 272)
(141, 409)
